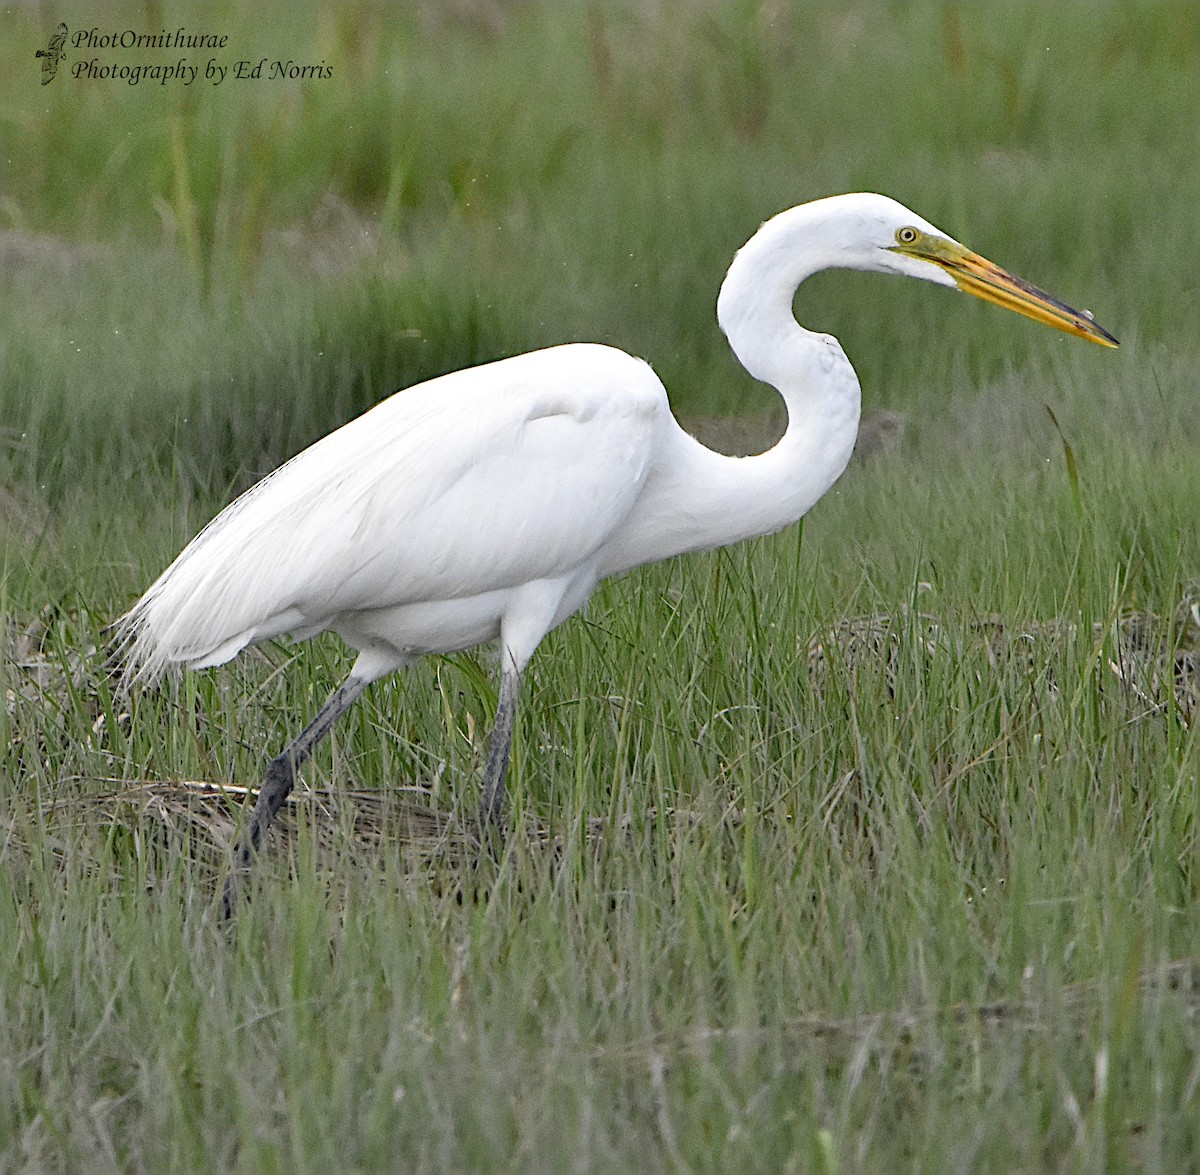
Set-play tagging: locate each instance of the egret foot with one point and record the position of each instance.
(277, 784)
(278, 781)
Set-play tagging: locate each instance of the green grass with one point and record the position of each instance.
(898, 858)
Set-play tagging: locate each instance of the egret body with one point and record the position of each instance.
(486, 505)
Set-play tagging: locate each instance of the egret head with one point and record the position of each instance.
(861, 230)
(905, 243)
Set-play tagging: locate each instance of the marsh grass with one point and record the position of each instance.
(866, 846)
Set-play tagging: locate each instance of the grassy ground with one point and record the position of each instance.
(871, 845)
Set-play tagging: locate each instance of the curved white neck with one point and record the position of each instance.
(697, 498)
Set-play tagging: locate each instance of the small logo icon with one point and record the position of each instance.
(52, 54)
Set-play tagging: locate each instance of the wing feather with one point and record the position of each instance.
(486, 478)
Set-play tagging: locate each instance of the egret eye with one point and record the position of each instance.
(906, 236)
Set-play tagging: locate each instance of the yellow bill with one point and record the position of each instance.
(979, 276)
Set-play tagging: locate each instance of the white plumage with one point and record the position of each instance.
(468, 487)
(488, 503)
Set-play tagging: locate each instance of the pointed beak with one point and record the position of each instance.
(979, 276)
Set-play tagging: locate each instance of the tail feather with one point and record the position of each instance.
(141, 658)
(193, 621)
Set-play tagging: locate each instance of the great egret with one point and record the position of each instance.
(488, 503)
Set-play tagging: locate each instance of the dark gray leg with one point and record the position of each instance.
(492, 805)
(279, 779)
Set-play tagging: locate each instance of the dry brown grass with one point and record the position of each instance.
(1154, 659)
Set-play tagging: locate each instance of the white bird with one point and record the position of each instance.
(487, 504)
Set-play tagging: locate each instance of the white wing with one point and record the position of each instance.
(485, 478)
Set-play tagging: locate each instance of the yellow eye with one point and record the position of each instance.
(906, 236)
